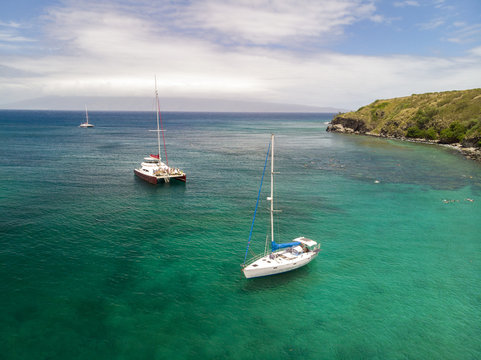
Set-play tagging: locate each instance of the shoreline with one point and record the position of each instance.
(472, 153)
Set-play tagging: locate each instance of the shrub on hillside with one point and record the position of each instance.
(424, 116)
(454, 133)
(431, 134)
(416, 133)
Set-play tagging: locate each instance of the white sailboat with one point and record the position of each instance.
(86, 124)
(153, 169)
(281, 257)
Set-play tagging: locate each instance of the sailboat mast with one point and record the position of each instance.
(161, 127)
(272, 189)
(86, 114)
(157, 112)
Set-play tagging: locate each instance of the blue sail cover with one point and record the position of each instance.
(276, 246)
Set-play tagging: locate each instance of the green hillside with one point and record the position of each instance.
(447, 117)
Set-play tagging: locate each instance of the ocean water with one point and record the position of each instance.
(97, 264)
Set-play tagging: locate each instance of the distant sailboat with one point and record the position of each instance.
(281, 257)
(153, 169)
(86, 124)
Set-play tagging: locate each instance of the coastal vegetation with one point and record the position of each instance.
(450, 117)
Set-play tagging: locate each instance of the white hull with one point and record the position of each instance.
(86, 125)
(278, 262)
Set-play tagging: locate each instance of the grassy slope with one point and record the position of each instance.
(451, 116)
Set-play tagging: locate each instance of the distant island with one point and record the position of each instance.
(450, 117)
(144, 103)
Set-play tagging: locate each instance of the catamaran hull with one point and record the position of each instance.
(254, 272)
(159, 179)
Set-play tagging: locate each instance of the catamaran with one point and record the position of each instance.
(86, 124)
(281, 257)
(153, 169)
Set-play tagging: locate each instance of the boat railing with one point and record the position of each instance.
(253, 259)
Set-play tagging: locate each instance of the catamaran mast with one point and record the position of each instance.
(161, 127)
(86, 114)
(158, 120)
(272, 189)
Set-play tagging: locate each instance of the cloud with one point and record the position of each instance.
(451, 25)
(104, 50)
(7, 36)
(277, 21)
(465, 33)
(476, 51)
(11, 24)
(441, 4)
(9, 33)
(432, 24)
(406, 3)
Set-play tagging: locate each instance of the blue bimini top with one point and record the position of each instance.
(276, 246)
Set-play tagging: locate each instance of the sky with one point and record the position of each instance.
(321, 53)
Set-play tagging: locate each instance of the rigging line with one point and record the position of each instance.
(277, 226)
(160, 118)
(154, 117)
(163, 136)
(267, 242)
(257, 202)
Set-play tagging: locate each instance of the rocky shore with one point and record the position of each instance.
(345, 125)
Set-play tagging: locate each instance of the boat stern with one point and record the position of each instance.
(149, 178)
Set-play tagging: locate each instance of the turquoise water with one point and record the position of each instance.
(97, 264)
